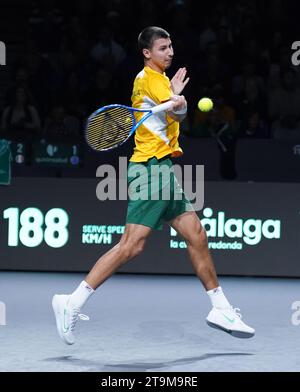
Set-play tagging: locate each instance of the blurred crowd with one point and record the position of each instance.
(83, 55)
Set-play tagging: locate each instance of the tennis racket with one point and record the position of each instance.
(111, 125)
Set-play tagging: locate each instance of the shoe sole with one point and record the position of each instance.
(57, 316)
(236, 334)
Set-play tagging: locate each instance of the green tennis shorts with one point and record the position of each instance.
(154, 193)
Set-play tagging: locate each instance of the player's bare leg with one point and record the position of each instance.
(189, 227)
(67, 307)
(222, 316)
(131, 244)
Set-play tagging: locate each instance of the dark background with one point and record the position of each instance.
(65, 59)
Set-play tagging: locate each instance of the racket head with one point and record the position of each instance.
(109, 127)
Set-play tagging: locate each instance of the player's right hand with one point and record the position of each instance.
(179, 102)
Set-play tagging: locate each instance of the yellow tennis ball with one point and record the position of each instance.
(205, 104)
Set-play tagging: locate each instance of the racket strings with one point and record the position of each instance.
(109, 128)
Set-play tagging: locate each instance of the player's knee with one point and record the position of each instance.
(130, 249)
(202, 235)
(124, 251)
(198, 236)
(137, 247)
(140, 247)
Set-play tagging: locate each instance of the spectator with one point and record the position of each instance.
(21, 80)
(208, 34)
(278, 68)
(21, 115)
(252, 111)
(239, 81)
(182, 35)
(212, 74)
(40, 75)
(72, 97)
(46, 22)
(284, 103)
(107, 52)
(254, 127)
(226, 49)
(220, 124)
(60, 126)
(207, 124)
(101, 92)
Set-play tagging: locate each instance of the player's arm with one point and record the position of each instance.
(179, 110)
(160, 92)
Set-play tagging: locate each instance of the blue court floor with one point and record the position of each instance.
(148, 323)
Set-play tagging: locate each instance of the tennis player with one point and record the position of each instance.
(156, 143)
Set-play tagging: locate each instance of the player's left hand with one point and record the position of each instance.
(179, 82)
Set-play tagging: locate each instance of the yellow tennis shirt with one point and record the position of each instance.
(158, 135)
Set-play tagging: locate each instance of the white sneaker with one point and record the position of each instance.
(66, 317)
(229, 320)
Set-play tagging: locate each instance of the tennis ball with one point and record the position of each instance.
(205, 104)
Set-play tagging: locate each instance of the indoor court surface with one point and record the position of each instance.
(147, 323)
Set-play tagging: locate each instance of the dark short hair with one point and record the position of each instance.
(149, 35)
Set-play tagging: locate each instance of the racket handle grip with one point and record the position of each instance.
(162, 107)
